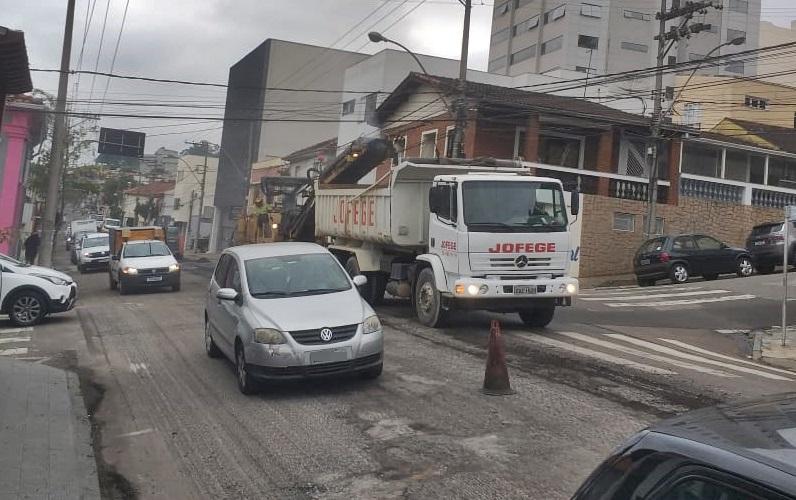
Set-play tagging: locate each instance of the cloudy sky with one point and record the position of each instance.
(199, 40)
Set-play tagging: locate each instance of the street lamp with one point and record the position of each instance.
(377, 37)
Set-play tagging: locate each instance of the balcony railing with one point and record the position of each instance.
(626, 187)
(737, 192)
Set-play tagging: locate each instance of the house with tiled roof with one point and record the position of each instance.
(148, 203)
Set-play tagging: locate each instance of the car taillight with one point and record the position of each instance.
(778, 237)
(665, 257)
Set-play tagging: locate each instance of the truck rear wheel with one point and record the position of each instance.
(427, 300)
(540, 316)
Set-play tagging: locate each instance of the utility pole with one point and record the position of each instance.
(58, 145)
(206, 149)
(675, 34)
(461, 102)
(190, 221)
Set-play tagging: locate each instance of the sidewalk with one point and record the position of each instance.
(45, 434)
(774, 353)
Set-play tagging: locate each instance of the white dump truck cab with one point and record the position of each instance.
(497, 241)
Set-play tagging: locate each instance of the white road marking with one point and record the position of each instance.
(647, 355)
(139, 367)
(6, 331)
(598, 355)
(722, 356)
(13, 352)
(658, 295)
(674, 352)
(11, 340)
(136, 433)
(640, 291)
(729, 332)
(683, 302)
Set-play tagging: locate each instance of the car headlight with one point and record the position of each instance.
(174, 268)
(129, 270)
(55, 280)
(268, 336)
(86, 254)
(371, 325)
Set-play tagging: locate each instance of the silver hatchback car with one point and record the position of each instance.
(288, 311)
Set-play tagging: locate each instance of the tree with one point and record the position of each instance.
(112, 193)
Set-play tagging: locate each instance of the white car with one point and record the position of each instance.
(29, 293)
(287, 311)
(93, 253)
(144, 264)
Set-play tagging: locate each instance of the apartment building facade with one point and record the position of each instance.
(609, 36)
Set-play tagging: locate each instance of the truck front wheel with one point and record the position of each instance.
(539, 316)
(427, 300)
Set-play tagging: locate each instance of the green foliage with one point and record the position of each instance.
(112, 193)
(147, 211)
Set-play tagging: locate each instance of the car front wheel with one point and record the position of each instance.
(28, 308)
(679, 273)
(246, 383)
(745, 267)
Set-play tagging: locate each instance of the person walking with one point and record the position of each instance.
(32, 243)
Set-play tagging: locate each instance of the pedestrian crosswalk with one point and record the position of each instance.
(671, 297)
(15, 342)
(657, 356)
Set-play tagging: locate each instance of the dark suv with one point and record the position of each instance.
(685, 255)
(765, 245)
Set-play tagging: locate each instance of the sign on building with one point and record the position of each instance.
(121, 142)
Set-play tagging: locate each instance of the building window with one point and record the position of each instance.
(561, 149)
(557, 13)
(523, 54)
(692, 115)
(177, 204)
(428, 144)
(712, 28)
(624, 222)
(553, 44)
(734, 67)
(672, 60)
(755, 102)
(658, 229)
(590, 10)
(348, 107)
(450, 132)
(588, 42)
(794, 120)
(502, 9)
(501, 36)
(635, 47)
(739, 6)
(733, 34)
(399, 144)
(526, 25)
(632, 14)
(497, 63)
(371, 101)
(701, 160)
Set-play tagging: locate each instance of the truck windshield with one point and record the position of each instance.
(295, 275)
(153, 249)
(516, 207)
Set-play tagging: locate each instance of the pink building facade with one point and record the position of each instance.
(21, 131)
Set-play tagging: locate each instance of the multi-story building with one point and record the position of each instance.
(160, 165)
(609, 36)
(781, 69)
(188, 207)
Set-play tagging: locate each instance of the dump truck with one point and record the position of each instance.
(453, 235)
(118, 236)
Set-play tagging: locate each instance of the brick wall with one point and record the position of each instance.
(607, 252)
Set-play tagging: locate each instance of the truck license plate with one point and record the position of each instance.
(524, 290)
(328, 356)
(154, 278)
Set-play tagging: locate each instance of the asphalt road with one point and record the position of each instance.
(173, 424)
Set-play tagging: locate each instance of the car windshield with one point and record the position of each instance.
(767, 229)
(95, 242)
(152, 249)
(518, 207)
(293, 275)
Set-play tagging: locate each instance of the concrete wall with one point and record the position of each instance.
(606, 252)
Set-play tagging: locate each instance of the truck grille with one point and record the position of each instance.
(313, 337)
(505, 263)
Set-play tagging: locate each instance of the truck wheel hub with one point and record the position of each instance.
(426, 301)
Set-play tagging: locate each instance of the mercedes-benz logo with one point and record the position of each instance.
(326, 334)
(521, 261)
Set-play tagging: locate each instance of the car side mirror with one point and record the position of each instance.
(360, 280)
(574, 203)
(227, 294)
(114, 257)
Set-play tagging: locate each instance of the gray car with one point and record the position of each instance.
(285, 311)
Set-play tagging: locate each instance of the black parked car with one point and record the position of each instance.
(765, 244)
(685, 255)
(742, 451)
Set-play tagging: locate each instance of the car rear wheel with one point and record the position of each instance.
(538, 317)
(765, 268)
(745, 267)
(246, 383)
(679, 273)
(27, 308)
(427, 300)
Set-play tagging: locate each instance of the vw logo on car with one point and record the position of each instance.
(326, 334)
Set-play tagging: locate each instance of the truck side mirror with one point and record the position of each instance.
(574, 204)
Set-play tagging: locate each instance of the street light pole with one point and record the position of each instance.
(58, 144)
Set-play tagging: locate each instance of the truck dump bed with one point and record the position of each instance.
(119, 235)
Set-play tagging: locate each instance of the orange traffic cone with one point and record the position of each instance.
(496, 377)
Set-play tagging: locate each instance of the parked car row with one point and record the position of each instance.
(679, 257)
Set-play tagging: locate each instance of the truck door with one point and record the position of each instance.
(443, 225)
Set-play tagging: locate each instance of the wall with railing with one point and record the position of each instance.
(728, 191)
(625, 187)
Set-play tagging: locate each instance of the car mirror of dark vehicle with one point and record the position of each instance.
(227, 294)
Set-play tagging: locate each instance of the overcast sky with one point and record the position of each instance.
(200, 39)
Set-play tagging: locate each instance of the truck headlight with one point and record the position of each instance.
(268, 336)
(572, 288)
(174, 268)
(129, 270)
(371, 325)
